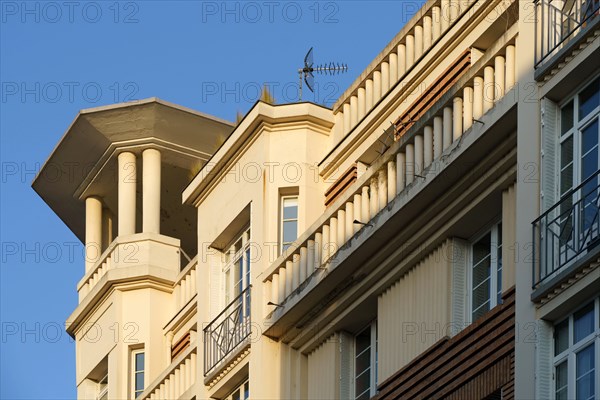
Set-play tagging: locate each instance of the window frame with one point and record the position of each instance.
(240, 387)
(282, 220)
(496, 289)
(134, 372)
(373, 362)
(232, 257)
(569, 355)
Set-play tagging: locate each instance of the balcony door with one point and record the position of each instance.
(579, 178)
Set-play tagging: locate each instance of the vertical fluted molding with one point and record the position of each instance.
(303, 264)
(357, 212)
(382, 187)
(401, 60)
(369, 95)
(393, 69)
(353, 111)
(418, 155)
(349, 220)
(467, 108)
(295, 271)
(436, 23)
(426, 32)
(410, 163)
(365, 208)
(447, 128)
(400, 172)
(391, 180)
(289, 278)
(437, 137)
(499, 77)
(373, 197)
(418, 41)
(427, 146)
(385, 77)
(410, 50)
(376, 86)
(457, 118)
(362, 106)
(510, 67)
(341, 228)
(347, 124)
(489, 90)
(477, 97)
(325, 244)
(333, 236)
(311, 256)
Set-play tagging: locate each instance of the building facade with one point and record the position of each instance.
(432, 235)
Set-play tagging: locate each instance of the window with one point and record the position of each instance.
(137, 372)
(237, 269)
(242, 392)
(579, 164)
(486, 272)
(289, 221)
(576, 354)
(365, 363)
(103, 388)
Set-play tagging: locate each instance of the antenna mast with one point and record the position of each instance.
(307, 73)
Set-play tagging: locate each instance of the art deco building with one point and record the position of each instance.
(433, 235)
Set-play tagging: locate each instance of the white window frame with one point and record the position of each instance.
(103, 388)
(373, 360)
(233, 256)
(135, 393)
(495, 250)
(282, 200)
(241, 388)
(570, 354)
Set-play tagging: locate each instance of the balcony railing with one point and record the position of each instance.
(176, 380)
(567, 231)
(559, 21)
(227, 331)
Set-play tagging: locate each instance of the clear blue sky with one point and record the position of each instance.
(59, 57)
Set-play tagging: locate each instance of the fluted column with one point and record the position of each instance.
(93, 231)
(151, 171)
(126, 193)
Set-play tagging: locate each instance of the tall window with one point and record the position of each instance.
(579, 162)
(576, 354)
(365, 363)
(138, 372)
(242, 392)
(486, 272)
(289, 221)
(237, 269)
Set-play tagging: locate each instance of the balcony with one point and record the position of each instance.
(566, 236)
(177, 380)
(228, 332)
(559, 25)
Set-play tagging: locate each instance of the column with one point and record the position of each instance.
(510, 67)
(499, 81)
(93, 231)
(477, 97)
(427, 146)
(151, 171)
(437, 137)
(126, 193)
(457, 118)
(488, 88)
(362, 109)
(447, 128)
(467, 107)
(368, 95)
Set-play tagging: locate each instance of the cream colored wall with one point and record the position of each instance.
(509, 240)
(414, 312)
(280, 152)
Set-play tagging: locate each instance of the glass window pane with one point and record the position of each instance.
(561, 337)
(562, 379)
(139, 381)
(589, 98)
(566, 117)
(481, 249)
(236, 395)
(290, 208)
(584, 322)
(139, 362)
(246, 390)
(585, 368)
(290, 231)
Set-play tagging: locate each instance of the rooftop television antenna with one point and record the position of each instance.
(307, 73)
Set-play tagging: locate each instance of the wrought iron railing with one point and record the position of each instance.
(227, 331)
(567, 231)
(559, 21)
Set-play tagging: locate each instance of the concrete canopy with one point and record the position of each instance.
(84, 161)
